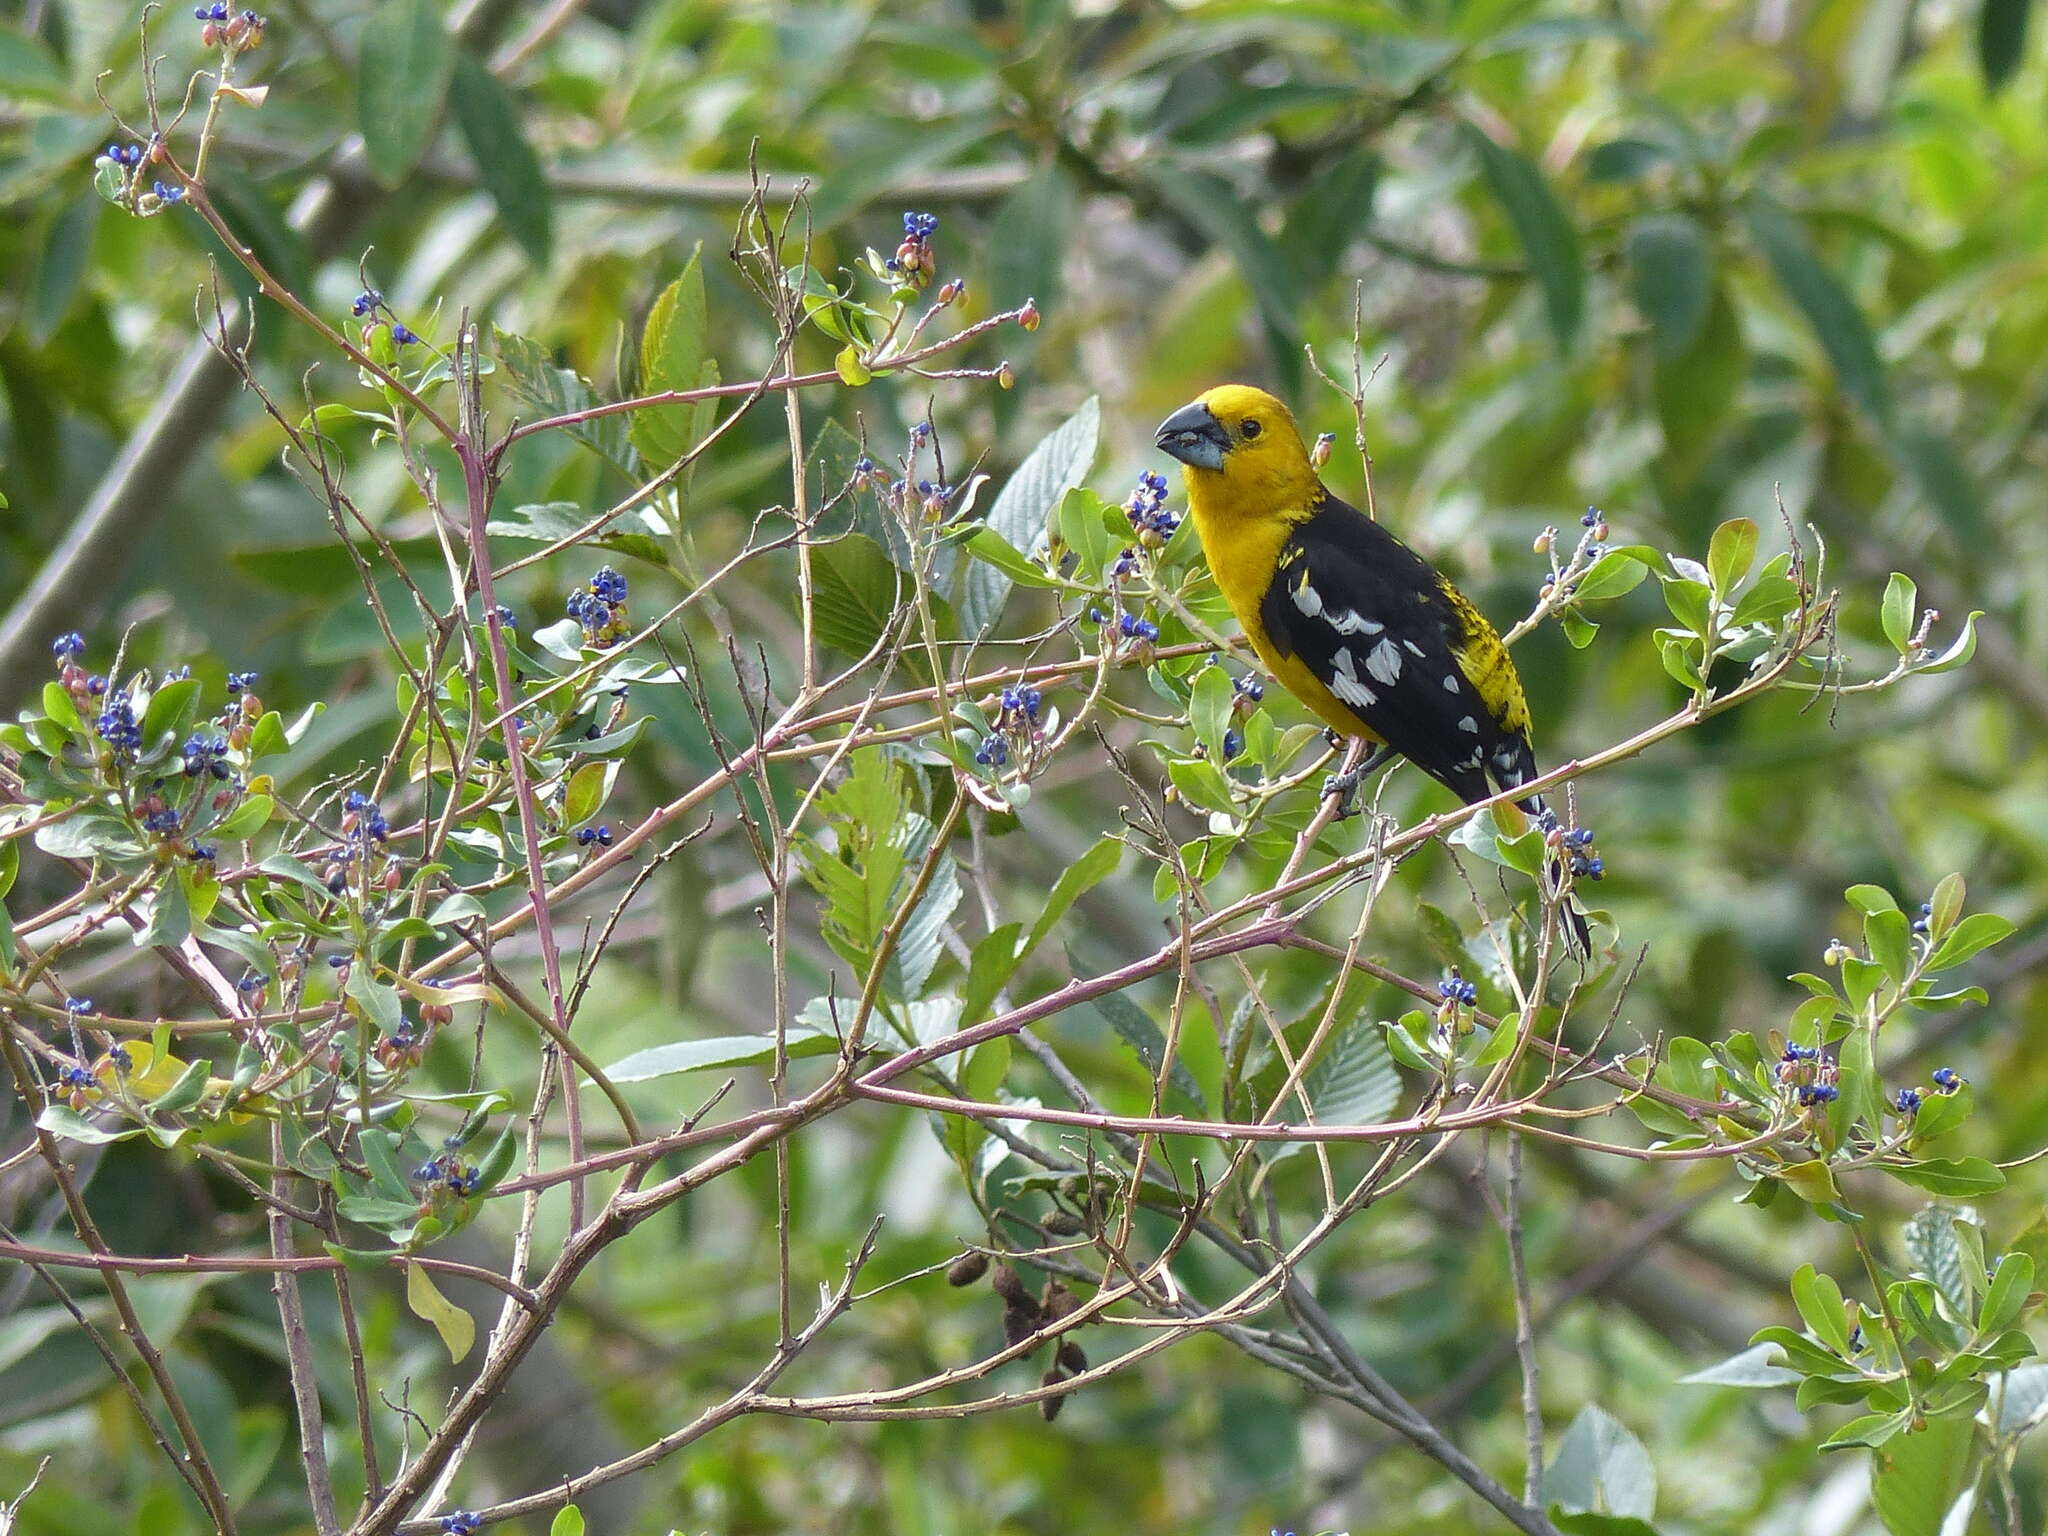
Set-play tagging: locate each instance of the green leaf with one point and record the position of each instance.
(854, 594)
(1614, 573)
(1870, 899)
(1753, 1367)
(986, 545)
(725, 1051)
(2007, 1297)
(1601, 1466)
(1731, 553)
(1958, 1176)
(1811, 1181)
(989, 969)
(671, 357)
(1977, 932)
(1355, 1082)
(243, 821)
(61, 1120)
(402, 80)
(2001, 40)
(585, 796)
(172, 709)
(1671, 276)
(1588, 1522)
(511, 171)
(1901, 606)
(1086, 872)
(456, 1327)
(67, 251)
(1057, 464)
(379, 999)
(1919, 1475)
(170, 915)
(187, 1091)
(1135, 1028)
(1838, 324)
(568, 1522)
(1548, 239)
(1819, 1301)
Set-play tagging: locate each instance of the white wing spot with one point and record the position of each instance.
(1345, 622)
(1385, 662)
(1450, 682)
(1469, 724)
(1346, 686)
(1308, 599)
(1413, 648)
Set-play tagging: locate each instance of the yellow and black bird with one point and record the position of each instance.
(1351, 621)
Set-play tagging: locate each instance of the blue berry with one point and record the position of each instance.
(1907, 1102)
(994, 751)
(1249, 687)
(1819, 1093)
(1233, 743)
(1592, 516)
(366, 301)
(1947, 1079)
(609, 585)
(401, 335)
(66, 646)
(920, 226)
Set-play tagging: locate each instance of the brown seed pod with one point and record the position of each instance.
(1064, 1224)
(1071, 1357)
(968, 1268)
(1019, 1324)
(1009, 1284)
(1058, 1301)
(1050, 1407)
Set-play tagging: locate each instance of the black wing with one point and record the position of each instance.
(1375, 622)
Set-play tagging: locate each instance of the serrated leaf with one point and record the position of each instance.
(1024, 506)
(671, 357)
(855, 591)
(1355, 1082)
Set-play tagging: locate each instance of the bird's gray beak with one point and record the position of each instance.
(1193, 435)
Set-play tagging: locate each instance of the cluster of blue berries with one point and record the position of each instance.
(915, 261)
(449, 1172)
(1907, 1102)
(362, 819)
(1809, 1074)
(1020, 708)
(1132, 627)
(239, 31)
(368, 303)
(599, 836)
(1146, 508)
(1926, 913)
(128, 156)
(600, 607)
(1457, 990)
(1948, 1079)
(117, 725)
(460, 1522)
(206, 754)
(1575, 843)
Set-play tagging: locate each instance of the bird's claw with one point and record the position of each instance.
(1344, 787)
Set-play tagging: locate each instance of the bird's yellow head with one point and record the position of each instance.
(1240, 445)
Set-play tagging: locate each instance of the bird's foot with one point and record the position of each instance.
(1344, 787)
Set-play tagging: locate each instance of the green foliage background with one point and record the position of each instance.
(1681, 261)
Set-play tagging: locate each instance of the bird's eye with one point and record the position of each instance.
(1251, 429)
